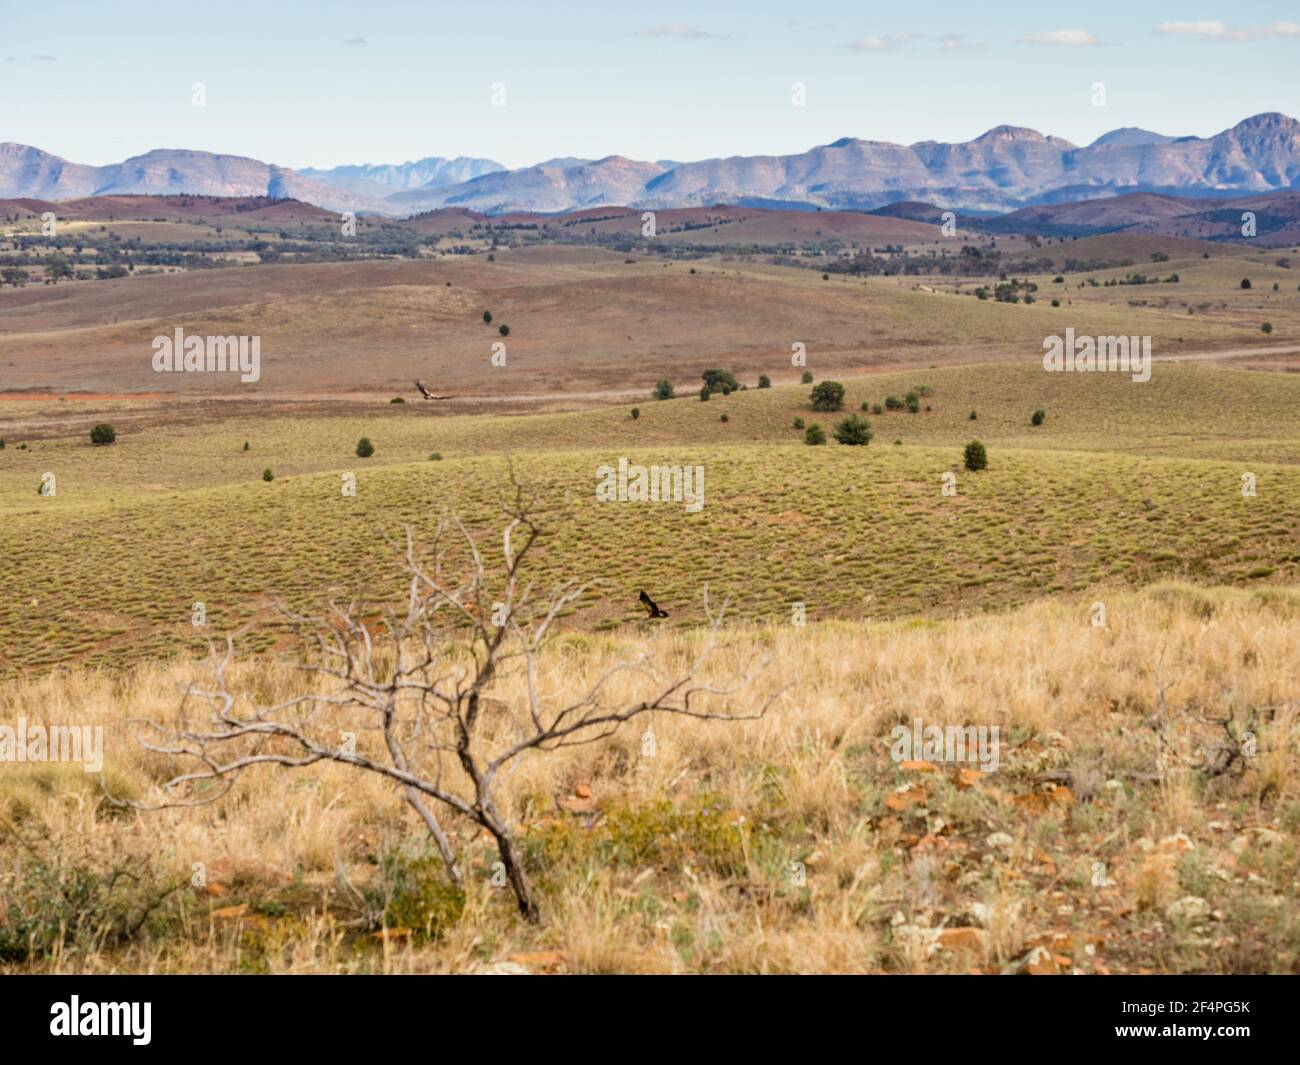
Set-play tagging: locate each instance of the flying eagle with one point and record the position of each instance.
(426, 393)
(652, 608)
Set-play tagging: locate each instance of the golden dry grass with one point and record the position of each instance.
(684, 861)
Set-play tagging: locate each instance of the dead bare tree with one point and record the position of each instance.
(418, 679)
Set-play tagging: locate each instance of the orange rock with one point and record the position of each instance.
(229, 913)
(1041, 801)
(901, 800)
(582, 791)
(394, 934)
(969, 778)
(215, 890)
(918, 767)
(539, 959)
(964, 940)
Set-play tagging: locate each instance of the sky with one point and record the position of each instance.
(331, 82)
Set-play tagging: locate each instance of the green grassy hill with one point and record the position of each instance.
(1122, 485)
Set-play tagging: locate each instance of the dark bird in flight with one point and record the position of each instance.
(652, 608)
(426, 393)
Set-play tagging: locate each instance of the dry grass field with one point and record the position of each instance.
(584, 320)
(788, 844)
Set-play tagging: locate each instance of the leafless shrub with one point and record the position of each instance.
(403, 695)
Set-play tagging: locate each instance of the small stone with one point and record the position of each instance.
(1188, 908)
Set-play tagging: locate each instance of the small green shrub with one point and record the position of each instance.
(102, 435)
(365, 448)
(976, 456)
(854, 431)
(414, 893)
(814, 435)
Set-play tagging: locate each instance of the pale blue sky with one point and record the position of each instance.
(330, 82)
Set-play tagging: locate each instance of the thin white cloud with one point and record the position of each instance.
(680, 31)
(355, 40)
(957, 42)
(1214, 30)
(1061, 38)
(44, 59)
(882, 43)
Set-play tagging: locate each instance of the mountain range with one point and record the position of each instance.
(1005, 169)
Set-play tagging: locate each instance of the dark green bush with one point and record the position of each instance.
(827, 396)
(853, 430)
(720, 381)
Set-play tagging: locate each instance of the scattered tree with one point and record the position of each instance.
(853, 430)
(664, 389)
(976, 457)
(827, 396)
(814, 434)
(102, 435)
(720, 381)
(365, 448)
